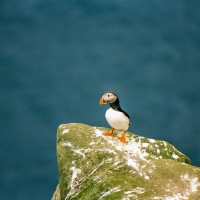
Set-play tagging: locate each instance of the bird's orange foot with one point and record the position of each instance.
(109, 134)
(122, 138)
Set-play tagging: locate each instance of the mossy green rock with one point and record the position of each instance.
(94, 167)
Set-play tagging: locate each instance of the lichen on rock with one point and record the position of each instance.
(93, 166)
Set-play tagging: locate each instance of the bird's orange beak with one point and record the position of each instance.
(102, 101)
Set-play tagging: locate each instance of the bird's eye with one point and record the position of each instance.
(108, 95)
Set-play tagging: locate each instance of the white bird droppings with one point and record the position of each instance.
(65, 131)
(175, 156)
(98, 132)
(115, 189)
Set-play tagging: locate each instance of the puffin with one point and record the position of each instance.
(116, 117)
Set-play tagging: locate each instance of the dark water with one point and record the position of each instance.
(58, 57)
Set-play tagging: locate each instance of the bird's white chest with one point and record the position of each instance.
(117, 119)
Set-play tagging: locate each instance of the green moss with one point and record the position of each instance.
(160, 149)
(90, 167)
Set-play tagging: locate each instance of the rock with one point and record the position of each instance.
(94, 167)
(56, 195)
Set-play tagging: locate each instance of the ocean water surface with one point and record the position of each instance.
(57, 58)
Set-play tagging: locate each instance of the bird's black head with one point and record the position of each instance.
(108, 97)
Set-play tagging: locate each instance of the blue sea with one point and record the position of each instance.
(57, 58)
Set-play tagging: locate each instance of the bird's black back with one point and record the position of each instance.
(116, 106)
